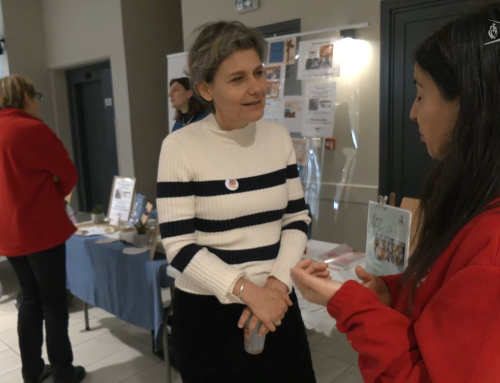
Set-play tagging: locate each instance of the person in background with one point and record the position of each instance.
(36, 174)
(189, 108)
(233, 221)
(439, 320)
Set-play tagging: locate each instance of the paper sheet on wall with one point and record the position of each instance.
(387, 239)
(293, 113)
(274, 111)
(300, 147)
(275, 106)
(319, 109)
(317, 59)
(282, 51)
(275, 77)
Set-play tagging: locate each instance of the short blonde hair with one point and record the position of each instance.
(13, 89)
(215, 43)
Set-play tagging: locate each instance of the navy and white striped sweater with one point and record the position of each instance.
(230, 205)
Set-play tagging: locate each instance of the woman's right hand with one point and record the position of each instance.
(266, 305)
(374, 283)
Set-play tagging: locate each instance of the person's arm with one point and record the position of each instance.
(49, 155)
(454, 340)
(294, 223)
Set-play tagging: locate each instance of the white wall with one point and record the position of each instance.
(348, 222)
(82, 32)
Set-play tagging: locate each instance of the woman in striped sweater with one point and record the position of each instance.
(233, 221)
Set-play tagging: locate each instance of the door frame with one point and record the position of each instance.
(76, 124)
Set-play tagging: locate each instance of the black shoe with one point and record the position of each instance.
(45, 374)
(77, 376)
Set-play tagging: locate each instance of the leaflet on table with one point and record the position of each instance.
(319, 109)
(282, 51)
(317, 59)
(122, 196)
(94, 230)
(293, 118)
(387, 239)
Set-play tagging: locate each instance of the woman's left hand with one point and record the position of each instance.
(314, 288)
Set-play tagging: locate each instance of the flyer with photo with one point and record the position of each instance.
(387, 239)
(319, 109)
(293, 113)
(317, 59)
(282, 51)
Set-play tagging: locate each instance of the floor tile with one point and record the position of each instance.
(326, 367)
(338, 349)
(15, 376)
(119, 366)
(105, 345)
(8, 322)
(3, 346)
(351, 375)
(314, 337)
(10, 338)
(157, 373)
(9, 361)
(137, 332)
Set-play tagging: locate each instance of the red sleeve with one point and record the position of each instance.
(455, 339)
(50, 155)
(394, 284)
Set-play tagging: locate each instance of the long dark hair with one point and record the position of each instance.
(195, 106)
(466, 179)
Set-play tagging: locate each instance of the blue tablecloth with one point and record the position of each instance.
(127, 286)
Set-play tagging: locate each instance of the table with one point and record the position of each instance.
(127, 286)
(315, 317)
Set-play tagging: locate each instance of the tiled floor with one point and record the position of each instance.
(114, 351)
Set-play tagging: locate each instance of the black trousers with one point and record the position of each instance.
(42, 277)
(209, 345)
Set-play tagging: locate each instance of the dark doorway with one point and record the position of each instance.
(404, 25)
(92, 113)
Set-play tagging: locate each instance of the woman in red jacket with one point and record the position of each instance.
(439, 321)
(36, 174)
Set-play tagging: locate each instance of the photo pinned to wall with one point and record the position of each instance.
(282, 51)
(275, 105)
(387, 239)
(293, 117)
(318, 118)
(317, 59)
(275, 78)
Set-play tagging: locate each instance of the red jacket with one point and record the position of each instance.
(32, 210)
(453, 334)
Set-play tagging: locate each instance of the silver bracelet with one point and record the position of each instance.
(241, 289)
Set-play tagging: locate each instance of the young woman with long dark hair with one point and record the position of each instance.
(439, 320)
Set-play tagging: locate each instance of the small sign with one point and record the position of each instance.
(108, 102)
(245, 5)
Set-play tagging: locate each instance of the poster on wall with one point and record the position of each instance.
(275, 106)
(282, 51)
(275, 78)
(300, 147)
(122, 196)
(317, 59)
(274, 111)
(387, 239)
(293, 113)
(319, 109)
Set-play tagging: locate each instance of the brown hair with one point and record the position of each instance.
(215, 43)
(195, 106)
(12, 90)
